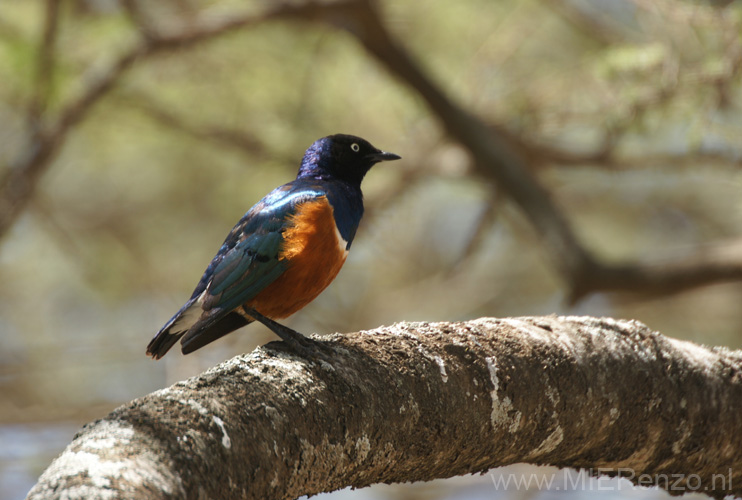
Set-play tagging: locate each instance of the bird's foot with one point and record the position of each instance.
(302, 345)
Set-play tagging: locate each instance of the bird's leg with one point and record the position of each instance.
(298, 342)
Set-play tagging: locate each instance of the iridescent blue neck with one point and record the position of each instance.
(315, 164)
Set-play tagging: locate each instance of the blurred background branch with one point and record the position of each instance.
(494, 157)
(214, 134)
(18, 184)
(45, 65)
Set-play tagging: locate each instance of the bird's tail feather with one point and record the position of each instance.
(163, 341)
(198, 330)
(200, 335)
(174, 329)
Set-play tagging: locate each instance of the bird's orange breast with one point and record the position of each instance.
(314, 251)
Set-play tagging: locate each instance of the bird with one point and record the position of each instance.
(282, 253)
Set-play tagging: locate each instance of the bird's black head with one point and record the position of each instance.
(343, 157)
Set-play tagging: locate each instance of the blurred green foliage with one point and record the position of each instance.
(146, 188)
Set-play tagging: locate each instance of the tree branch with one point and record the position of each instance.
(661, 277)
(238, 140)
(493, 156)
(418, 401)
(496, 156)
(44, 65)
(18, 184)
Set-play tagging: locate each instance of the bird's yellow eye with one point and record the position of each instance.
(355, 147)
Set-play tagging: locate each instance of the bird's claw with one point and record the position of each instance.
(302, 345)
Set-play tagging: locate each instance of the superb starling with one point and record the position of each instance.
(282, 253)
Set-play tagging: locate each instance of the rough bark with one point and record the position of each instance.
(418, 401)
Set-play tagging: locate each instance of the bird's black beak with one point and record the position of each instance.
(382, 156)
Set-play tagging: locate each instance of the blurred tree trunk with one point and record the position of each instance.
(418, 401)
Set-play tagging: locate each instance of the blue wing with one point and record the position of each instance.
(246, 263)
